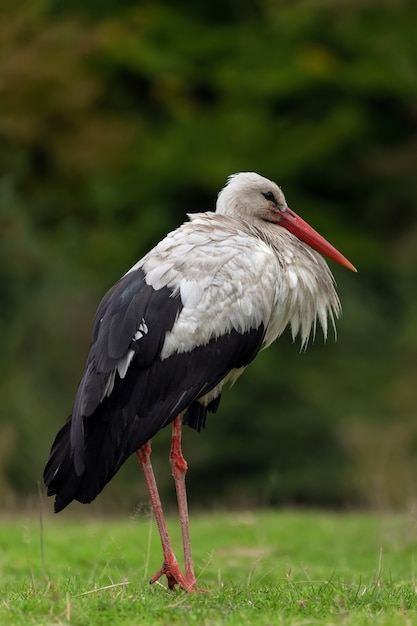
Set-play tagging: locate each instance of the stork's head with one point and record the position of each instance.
(255, 199)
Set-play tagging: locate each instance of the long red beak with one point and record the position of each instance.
(298, 227)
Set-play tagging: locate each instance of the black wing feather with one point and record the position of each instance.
(119, 315)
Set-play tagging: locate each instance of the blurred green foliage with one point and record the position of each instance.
(118, 118)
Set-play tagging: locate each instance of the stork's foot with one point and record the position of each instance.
(175, 577)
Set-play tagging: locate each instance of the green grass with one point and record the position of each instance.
(268, 567)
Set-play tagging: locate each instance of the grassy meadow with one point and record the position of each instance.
(283, 567)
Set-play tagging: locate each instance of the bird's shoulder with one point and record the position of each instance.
(224, 274)
(208, 248)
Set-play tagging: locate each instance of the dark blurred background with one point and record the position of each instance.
(116, 119)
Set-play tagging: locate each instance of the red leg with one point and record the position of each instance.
(170, 565)
(179, 470)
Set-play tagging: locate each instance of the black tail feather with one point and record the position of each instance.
(59, 475)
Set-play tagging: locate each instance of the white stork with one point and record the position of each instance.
(186, 319)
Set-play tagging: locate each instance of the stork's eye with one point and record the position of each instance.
(268, 195)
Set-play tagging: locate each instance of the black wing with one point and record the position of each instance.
(113, 415)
